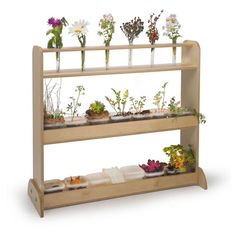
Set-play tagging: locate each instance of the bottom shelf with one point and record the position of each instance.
(66, 198)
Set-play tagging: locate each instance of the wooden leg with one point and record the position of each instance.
(202, 179)
(36, 197)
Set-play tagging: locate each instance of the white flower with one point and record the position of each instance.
(79, 28)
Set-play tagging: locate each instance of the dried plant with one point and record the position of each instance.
(132, 29)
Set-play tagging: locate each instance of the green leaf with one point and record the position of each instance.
(50, 43)
(49, 32)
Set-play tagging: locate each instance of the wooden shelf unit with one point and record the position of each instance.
(188, 126)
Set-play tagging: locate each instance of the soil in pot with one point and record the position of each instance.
(124, 117)
(51, 122)
(143, 114)
(94, 117)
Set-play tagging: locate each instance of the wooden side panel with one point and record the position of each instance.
(38, 163)
(118, 190)
(190, 93)
(36, 197)
(117, 129)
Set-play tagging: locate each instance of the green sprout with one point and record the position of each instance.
(174, 106)
(119, 103)
(74, 104)
(137, 105)
(201, 117)
(159, 98)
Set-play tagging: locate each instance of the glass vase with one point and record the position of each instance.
(58, 61)
(107, 56)
(82, 59)
(130, 56)
(174, 51)
(152, 56)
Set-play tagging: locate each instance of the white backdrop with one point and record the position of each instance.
(179, 212)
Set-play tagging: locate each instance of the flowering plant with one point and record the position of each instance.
(172, 31)
(152, 31)
(107, 25)
(172, 27)
(132, 29)
(180, 158)
(79, 29)
(56, 39)
(153, 166)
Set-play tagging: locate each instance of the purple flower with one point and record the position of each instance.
(54, 22)
(51, 21)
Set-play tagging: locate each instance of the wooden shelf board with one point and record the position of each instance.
(102, 192)
(116, 47)
(117, 129)
(117, 70)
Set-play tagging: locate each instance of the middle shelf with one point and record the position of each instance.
(117, 129)
(118, 70)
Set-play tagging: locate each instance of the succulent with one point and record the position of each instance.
(97, 107)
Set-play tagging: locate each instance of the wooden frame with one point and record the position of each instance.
(188, 125)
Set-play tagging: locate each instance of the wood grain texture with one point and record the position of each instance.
(38, 162)
(117, 70)
(95, 193)
(117, 129)
(36, 196)
(190, 95)
(116, 47)
(202, 179)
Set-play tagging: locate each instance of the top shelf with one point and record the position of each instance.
(117, 47)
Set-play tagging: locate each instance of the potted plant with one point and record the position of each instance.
(159, 101)
(97, 112)
(174, 109)
(137, 108)
(118, 105)
(72, 107)
(53, 117)
(181, 159)
(153, 168)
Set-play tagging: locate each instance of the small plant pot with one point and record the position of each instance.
(171, 172)
(145, 114)
(54, 185)
(94, 117)
(181, 171)
(154, 174)
(70, 185)
(52, 123)
(77, 121)
(187, 113)
(117, 118)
